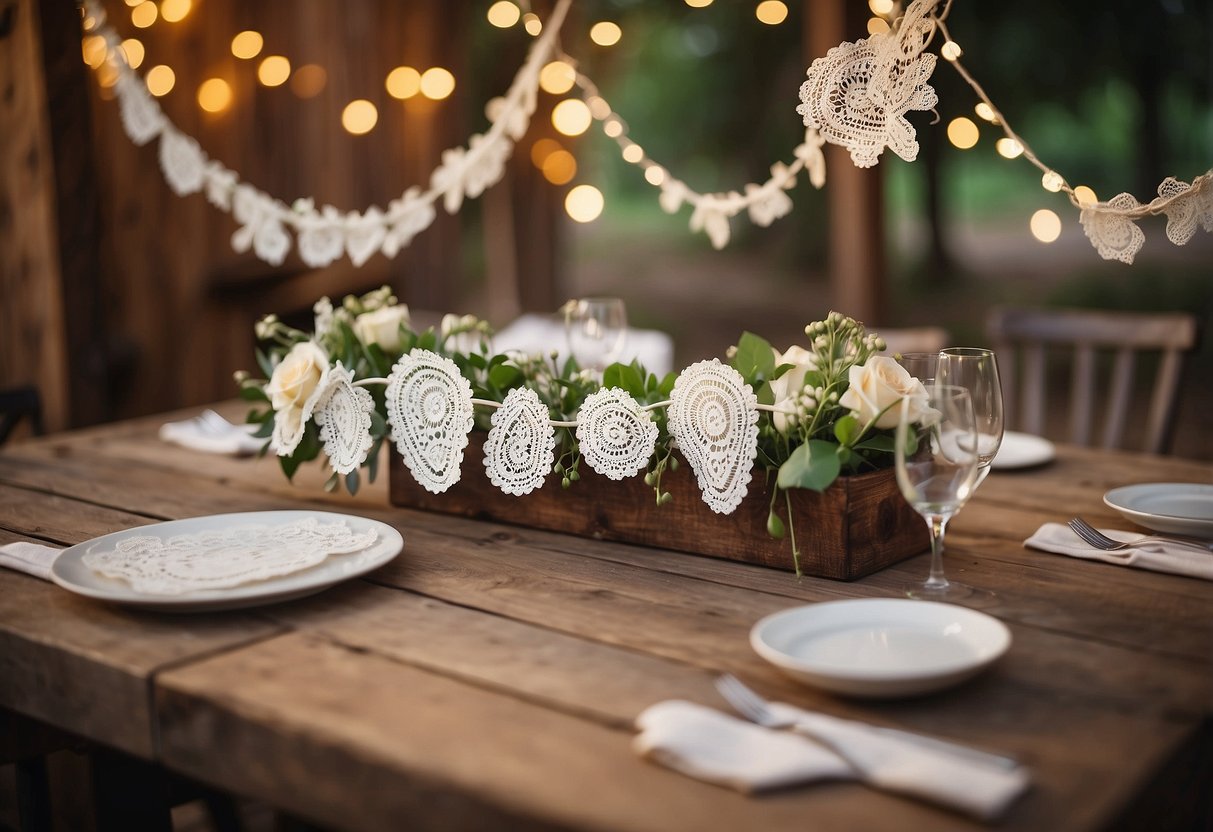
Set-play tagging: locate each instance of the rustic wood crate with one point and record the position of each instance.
(859, 525)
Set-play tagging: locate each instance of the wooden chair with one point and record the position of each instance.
(1085, 335)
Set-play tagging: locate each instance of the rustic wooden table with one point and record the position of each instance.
(489, 676)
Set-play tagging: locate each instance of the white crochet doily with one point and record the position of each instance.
(429, 409)
(518, 453)
(344, 417)
(714, 419)
(615, 434)
(1114, 236)
(218, 559)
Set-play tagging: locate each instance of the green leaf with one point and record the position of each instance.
(779, 371)
(504, 376)
(847, 430)
(766, 395)
(612, 376)
(880, 442)
(265, 431)
(755, 357)
(813, 465)
(253, 393)
(263, 361)
(352, 481)
(667, 385)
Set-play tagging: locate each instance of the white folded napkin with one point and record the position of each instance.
(211, 433)
(30, 558)
(1156, 555)
(711, 746)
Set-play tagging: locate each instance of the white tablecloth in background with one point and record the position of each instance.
(544, 333)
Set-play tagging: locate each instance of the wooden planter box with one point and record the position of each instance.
(859, 525)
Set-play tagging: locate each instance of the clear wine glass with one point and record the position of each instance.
(976, 370)
(936, 463)
(597, 330)
(921, 365)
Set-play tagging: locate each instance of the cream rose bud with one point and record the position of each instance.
(382, 326)
(787, 387)
(878, 385)
(293, 390)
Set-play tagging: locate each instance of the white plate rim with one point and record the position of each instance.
(69, 572)
(1117, 499)
(1034, 450)
(894, 679)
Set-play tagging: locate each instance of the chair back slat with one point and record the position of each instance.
(1034, 388)
(1118, 398)
(1082, 396)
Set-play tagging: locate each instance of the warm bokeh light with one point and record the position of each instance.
(503, 14)
(214, 95)
(880, 6)
(1008, 148)
(877, 26)
(359, 116)
(654, 175)
(985, 111)
(274, 70)
(613, 127)
(1045, 225)
(557, 77)
(309, 80)
(1085, 195)
(584, 203)
(107, 75)
(571, 117)
(1052, 181)
(951, 50)
(175, 10)
(605, 33)
(94, 50)
(133, 50)
(403, 82)
(699, 4)
(633, 153)
(160, 79)
(559, 168)
(144, 14)
(599, 108)
(962, 132)
(542, 149)
(133, 2)
(532, 23)
(247, 44)
(771, 12)
(437, 83)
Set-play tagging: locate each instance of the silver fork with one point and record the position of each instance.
(1094, 537)
(777, 715)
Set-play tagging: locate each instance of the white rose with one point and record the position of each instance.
(879, 384)
(382, 326)
(787, 387)
(295, 387)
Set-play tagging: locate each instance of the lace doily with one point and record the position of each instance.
(344, 417)
(225, 558)
(859, 93)
(1114, 236)
(182, 161)
(615, 434)
(1189, 206)
(429, 409)
(714, 419)
(518, 453)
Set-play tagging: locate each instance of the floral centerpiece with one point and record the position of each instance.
(803, 417)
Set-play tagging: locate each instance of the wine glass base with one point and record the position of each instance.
(953, 593)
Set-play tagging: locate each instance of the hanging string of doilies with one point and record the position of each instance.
(856, 96)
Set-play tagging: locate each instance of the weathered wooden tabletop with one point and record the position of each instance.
(488, 677)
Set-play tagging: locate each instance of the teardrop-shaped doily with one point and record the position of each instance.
(518, 453)
(344, 417)
(1115, 236)
(714, 418)
(429, 408)
(615, 434)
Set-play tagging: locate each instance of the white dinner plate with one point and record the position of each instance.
(880, 647)
(1176, 507)
(1022, 450)
(70, 572)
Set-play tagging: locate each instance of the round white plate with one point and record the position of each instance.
(1176, 507)
(70, 572)
(880, 647)
(1023, 450)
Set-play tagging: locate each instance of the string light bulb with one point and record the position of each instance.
(771, 12)
(654, 175)
(559, 167)
(144, 14)
(557, 77)
(1008, 148)
(699, 4)
(274, 70)
(174, 11)
(160, 80)
(503, 14)
(94, 50)
(877, 25)
(542, 149)
(584, 203)
(951, 50)
(532, 24)
(309, 80)
(881, 7)
(633, 153)
(1085, 195)
(403, 82)
(962, 132)
(571, 117)
(985, 111)
(1052, 181)
(247, 45)
(133, 51)
(359, 117)
(1045, 225)
(437, 83)
(605, 33)
(214, 95)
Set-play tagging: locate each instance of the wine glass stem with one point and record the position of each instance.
(936, 523)
(983, 471)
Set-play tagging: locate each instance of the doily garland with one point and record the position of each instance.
(616, 435)
(520, 448)
(344, 416)
(856, 96)
(429, 411)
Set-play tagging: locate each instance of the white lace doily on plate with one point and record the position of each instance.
(367, 544)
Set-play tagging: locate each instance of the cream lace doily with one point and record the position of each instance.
(519, 450)
(429, 409)
(1115, 237)
(220, 559)
(615, 434)
(714, 419)
(344, 417)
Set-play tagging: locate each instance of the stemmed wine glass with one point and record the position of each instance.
(920, 365)
(976, 370)
(936, 463)
(597, 329)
